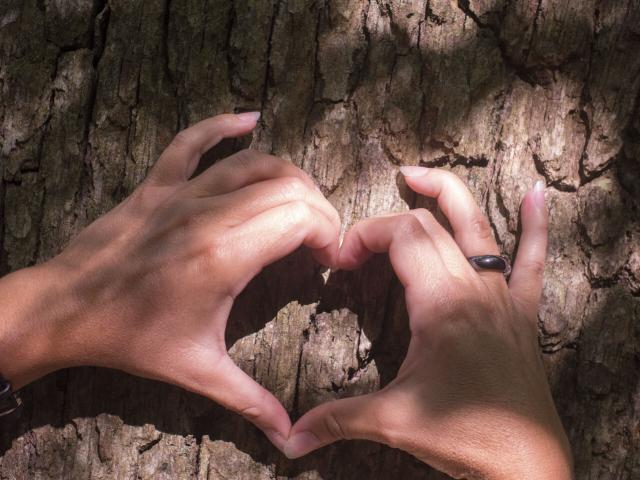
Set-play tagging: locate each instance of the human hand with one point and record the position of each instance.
(148, 287)
(471, 398)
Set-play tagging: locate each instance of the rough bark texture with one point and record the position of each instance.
(503, 92)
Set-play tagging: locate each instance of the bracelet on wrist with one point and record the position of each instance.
(10, 401)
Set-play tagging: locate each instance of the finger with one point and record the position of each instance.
(277, 232)
(525, 283)
(180, 159)
(350, 418)
(244, 168)
(470, 226)
(413, 255)
(446, 246)
(232, 388)
(247, 202)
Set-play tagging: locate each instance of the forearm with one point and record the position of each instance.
(34, 310)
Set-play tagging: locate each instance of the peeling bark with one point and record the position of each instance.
(503, 93)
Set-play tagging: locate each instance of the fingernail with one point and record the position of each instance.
(276, 438)
(539, 193)
(411, 171)
(301, 444)
(248, 116)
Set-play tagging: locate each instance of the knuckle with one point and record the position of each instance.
(181, 141)
(334, 425)
(423, 215)
(535, 267)
(215, 253)
(254, 410)
(480, 227)
(293, 186)
(300, 211)
(410, 226)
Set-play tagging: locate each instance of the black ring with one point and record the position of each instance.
(9, 401)
(491, 262)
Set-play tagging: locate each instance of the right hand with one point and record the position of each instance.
(471, 397)
(148, 287)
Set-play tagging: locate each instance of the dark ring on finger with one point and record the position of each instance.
(490, 262)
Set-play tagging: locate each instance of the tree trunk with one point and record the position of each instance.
(501, 92)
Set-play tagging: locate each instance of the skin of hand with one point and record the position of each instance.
(148, 287)
(471, 397)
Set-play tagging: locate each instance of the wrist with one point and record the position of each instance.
(35, 312)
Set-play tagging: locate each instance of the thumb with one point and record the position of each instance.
(349, 418)
(525, 283)
(232, 388)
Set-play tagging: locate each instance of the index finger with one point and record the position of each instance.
(274, 234)
(413, 254)
(471, 228)
(245, 168)
(180, 159)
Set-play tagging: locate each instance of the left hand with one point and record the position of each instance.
(471, 397)
(148, 287)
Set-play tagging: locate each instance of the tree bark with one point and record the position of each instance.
(501, 92)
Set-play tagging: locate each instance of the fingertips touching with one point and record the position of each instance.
(348, 418)
(231, 387)
(328, 256)
(353, 252)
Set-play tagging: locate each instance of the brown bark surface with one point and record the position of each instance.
(503, 92)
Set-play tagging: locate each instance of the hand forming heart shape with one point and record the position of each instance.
(134, 283)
